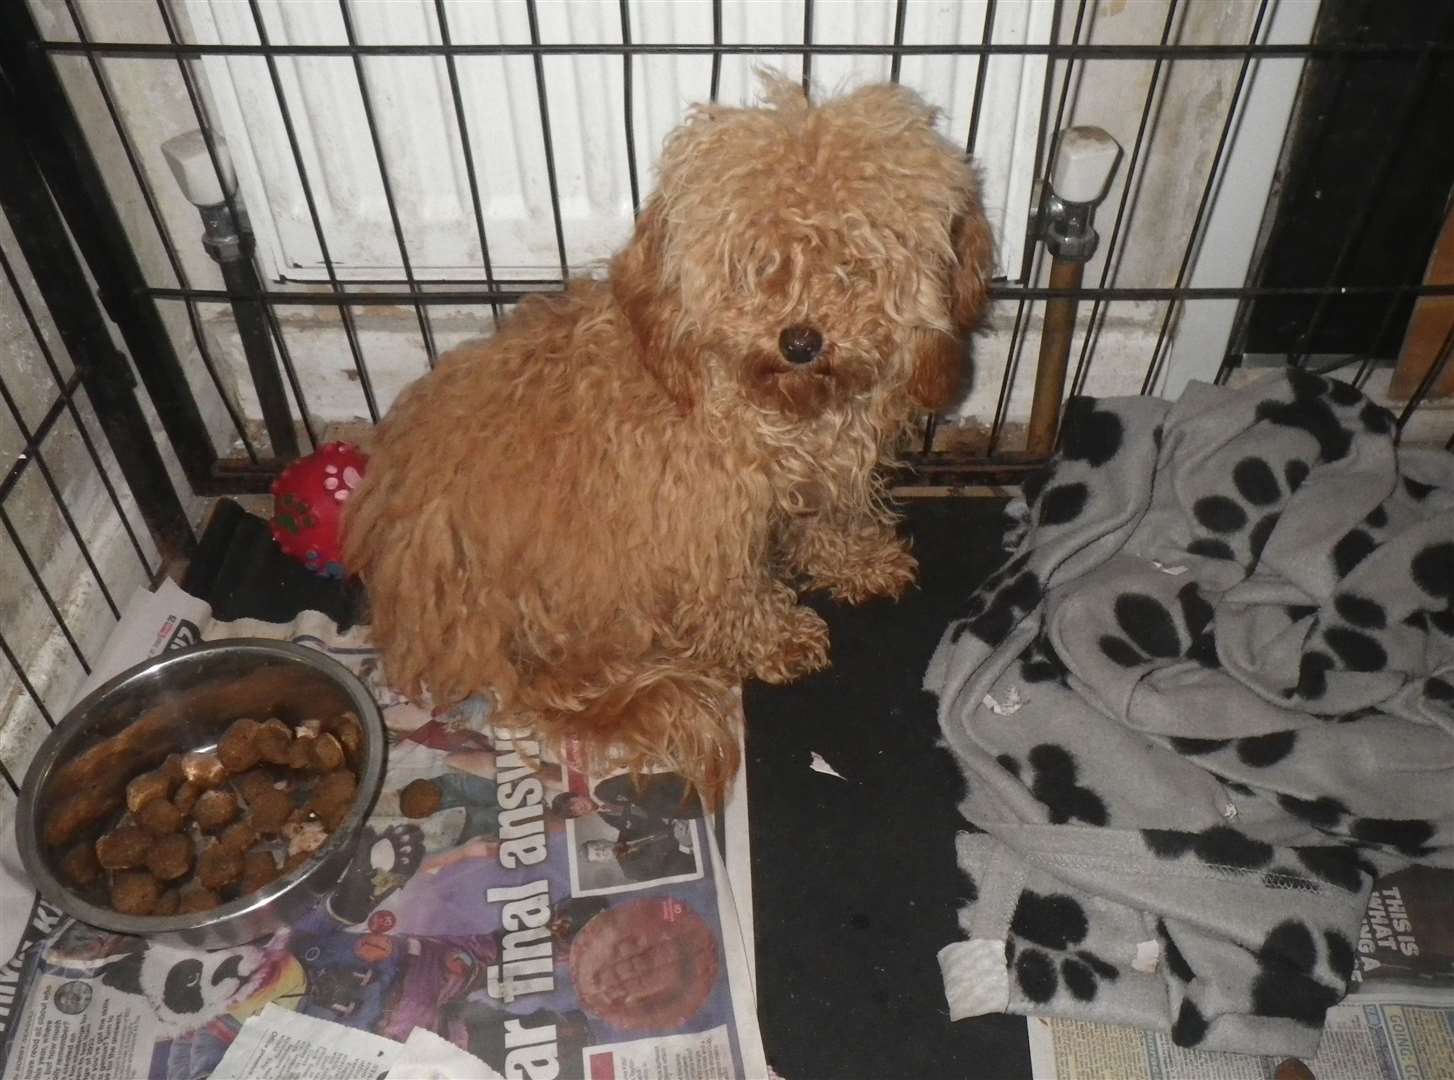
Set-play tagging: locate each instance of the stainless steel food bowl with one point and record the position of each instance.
(179, 702)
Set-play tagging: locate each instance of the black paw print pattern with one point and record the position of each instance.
(1329, 410)
(1040, 663)
(1224, 520)
(1291, 982)
(1350, 640)
(1054, 924)
(1005, 597)
(1255, 751)
(1219, 846)
(1433, 572)
(1091, 436)
(1190, 1026)
(1149, 630)
(1055, 783)
(1340, 862)
(1333, 413)
(1359, 542)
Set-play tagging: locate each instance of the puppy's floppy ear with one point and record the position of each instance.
(652, 306)
(974, 264)
(939, 357)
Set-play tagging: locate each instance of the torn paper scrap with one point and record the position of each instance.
(278, 1044)
(1012, 703)
(1148, 957)
(819, 765)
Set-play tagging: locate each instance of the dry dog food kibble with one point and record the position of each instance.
(273, 740)
(252, 782)
(419, 799)
(215, 810)
(238, 837)
(157, 784)
(204, 770)
(170, 857)
(80, 866)
(161, 817)
(300, 756)
(219, 867)
(327, 753)
(347, 730)
(135, 892)
(238, 750)
(195, 898)
(186, 796)
(269, 810)
(258, 869)
(123, 849)
(166, 903)
(210, 826)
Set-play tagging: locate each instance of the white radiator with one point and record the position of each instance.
(586, 107)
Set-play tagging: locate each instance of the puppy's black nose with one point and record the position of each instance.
(800, 344)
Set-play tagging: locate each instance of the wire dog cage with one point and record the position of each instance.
(1281, 185)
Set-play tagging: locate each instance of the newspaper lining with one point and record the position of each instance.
(540, 936)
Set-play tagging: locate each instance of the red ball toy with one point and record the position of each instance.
(308, 503)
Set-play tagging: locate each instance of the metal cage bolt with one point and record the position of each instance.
(1084, 164)
(1065, 221)
(225, 234)
(209, 183)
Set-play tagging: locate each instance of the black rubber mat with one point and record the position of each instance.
(854, 880)
(855, 883)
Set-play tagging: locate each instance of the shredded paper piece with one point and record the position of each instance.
(1012, 703)
(279, 1044)
(819, 765)
(1148, 957)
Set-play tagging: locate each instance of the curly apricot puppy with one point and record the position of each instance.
(599, 515)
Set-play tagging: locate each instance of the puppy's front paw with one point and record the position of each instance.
(803, 648)
(888, 573)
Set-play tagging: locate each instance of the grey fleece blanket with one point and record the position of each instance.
(1206, 703)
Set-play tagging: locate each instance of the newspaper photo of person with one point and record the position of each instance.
(645, 964)
(645, 831)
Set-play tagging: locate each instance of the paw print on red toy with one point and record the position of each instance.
(308, 502)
